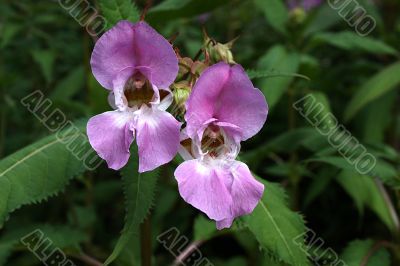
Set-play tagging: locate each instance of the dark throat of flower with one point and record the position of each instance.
(213, 141)
(138, 91)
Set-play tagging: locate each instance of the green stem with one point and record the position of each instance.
(145, 240)
(294, 178)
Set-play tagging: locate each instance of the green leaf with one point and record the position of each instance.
(351, 41)
(368, 192)
(41, 169)
(173, 9)
(375, 87)
(286, 142)
(97, 96)
(280, 60)
(204, 229)
(275, 13)
(69, 85)
(323, 19)
(376, 119)
(253, 74)
(358, 250)
(45, 59)
(62, 236)
(386, 172)
(276, 227)
(8, 33)
(116, 10)
(318, 185)
(315, 107)
(139, 190)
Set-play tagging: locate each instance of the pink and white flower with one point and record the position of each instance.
(137, 65)
(223, 109)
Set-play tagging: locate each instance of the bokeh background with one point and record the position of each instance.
(356, 78)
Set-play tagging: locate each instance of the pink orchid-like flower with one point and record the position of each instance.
(137, 65)
(223, 109)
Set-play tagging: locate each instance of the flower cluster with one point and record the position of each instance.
(221, 108)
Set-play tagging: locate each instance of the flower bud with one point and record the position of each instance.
(185, 66)
(198, 67)
(297, 15)
(181, 91)
(218, 51)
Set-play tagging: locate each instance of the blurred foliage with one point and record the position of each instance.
(309, 185)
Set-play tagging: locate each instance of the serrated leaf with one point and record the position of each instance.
(116, 10)
(39, 170)
(357, 250)
(375, 87)
(139, 190)
(276, 227)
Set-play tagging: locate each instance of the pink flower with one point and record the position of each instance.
(223, 109)
(137, 65)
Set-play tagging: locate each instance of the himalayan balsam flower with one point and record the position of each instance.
(137, 65)
(223, 109)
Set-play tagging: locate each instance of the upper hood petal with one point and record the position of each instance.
(134, 45)
(226, 93)
(156, 55)
(113, 52)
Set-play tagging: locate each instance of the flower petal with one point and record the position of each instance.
(204, 188)
(136, 46)
(113, 52)
(111, 135)
(156, 55)
(225, 223)
(246, 192)
(243, 105)
(226, 93)
(157, 138)
(200, 106)
(119, 81)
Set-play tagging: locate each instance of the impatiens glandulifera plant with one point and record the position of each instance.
(223, 109)
(137, 65)
(58, 185)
